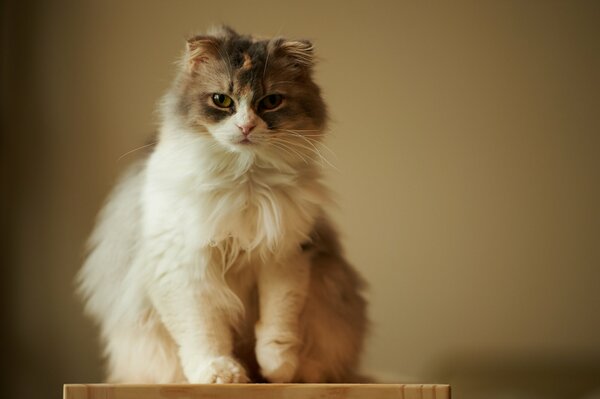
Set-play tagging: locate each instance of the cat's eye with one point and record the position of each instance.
(222, 100)
(271, 101)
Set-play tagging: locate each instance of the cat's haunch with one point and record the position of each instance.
(213, 260)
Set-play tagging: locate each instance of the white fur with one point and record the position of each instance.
(180, 243)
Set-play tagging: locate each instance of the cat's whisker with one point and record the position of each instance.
(315, 149)
(290, 145)
(312, 150)
(136, 149)
(312, 137)
(314, 156)
(320, 132)
(279, 141)
(308, 135)
(323, 158)
(301, 130)
(293, 153)
(305, 139)
(302, 133)
(308, 140)
(266, 63)
(296, 132)
(328, 149)
(279, 147)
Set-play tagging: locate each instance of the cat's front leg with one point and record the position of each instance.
(195, 313)
(282, 293)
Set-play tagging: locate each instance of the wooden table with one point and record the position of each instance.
(257, 391)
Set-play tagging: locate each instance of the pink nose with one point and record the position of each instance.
(246, 129)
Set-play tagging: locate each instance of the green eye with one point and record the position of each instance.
(222, 100)
(271, 101)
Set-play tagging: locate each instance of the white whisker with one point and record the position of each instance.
(136, 149)
(314, 150)
(266, 63)
(283, 143)
(312, 144)
(289, 151)
(308, 140)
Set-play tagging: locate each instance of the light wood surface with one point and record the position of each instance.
(258, 391)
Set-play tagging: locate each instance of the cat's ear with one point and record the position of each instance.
(300, 52)
(200, 50)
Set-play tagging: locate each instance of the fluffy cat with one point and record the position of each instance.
(213, 260)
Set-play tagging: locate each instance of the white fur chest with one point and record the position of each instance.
(194, 200)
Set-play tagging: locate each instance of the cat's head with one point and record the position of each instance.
(251, 94)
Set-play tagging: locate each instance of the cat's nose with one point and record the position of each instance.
(246, 128)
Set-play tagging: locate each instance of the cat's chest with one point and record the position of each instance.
(260, 210)
(256, 211)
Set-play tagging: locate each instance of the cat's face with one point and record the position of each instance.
(251, 95)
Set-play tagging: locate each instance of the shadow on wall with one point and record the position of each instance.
(478, 376)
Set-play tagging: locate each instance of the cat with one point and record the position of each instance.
(213, 260)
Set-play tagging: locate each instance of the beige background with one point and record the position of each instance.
(467, 138)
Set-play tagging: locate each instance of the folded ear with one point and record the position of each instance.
(301, 52)
(201, 49)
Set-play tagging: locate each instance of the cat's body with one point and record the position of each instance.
(213, 260)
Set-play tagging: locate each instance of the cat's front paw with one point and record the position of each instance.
(277, 357)
(219, 370)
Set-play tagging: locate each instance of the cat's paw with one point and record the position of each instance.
(219, 370)
(278, 359)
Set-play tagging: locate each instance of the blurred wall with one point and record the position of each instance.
(467, 141)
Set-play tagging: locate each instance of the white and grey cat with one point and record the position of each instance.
(213, 260)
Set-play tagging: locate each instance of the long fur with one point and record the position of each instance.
(213, 264)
